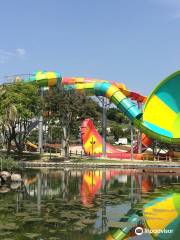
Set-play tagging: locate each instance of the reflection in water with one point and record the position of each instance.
(163, 213)
(93, 181)
(96, 204)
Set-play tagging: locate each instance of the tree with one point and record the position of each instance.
(19, 104)
(115, 115)
(117, 131)
(68, 109)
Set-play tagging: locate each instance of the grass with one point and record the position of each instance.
(95, 161)
(25, 156)
(31, 156)
(12, 162)
(124, 161)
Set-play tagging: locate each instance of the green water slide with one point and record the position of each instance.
(160, 118)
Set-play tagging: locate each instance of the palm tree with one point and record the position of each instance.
(7, 124)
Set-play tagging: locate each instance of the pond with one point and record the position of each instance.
(85, 204)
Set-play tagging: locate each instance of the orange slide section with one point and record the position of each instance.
(92, 143)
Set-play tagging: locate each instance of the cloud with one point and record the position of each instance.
(5, 55)
(20, 51)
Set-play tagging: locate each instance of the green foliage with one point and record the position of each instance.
(118, 123)
(70, 109)
(24, 97)
(33, 136)
(120, 130)
(56, 134)
(117, 131)
(19, 103)
(67, 110)
(115, 115)
(9, 164)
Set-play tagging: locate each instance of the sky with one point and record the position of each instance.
(136, 42)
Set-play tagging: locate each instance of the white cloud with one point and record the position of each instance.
(7, 55)
(20, 51)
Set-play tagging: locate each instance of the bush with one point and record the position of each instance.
(9, 164)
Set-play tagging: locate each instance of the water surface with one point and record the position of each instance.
(86, 204)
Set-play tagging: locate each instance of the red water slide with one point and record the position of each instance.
(92, 143)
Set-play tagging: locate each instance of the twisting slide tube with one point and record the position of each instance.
(161, 116)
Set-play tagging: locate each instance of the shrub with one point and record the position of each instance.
(9, 164)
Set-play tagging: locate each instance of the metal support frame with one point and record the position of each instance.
(105, 106)
(139, 141)
(104, 125)
(139, 132)
(132, 138)
(40, 135)
(40, 130)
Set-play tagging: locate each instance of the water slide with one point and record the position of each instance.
(160, 117)
(88, 125)
(31, 145)
(92, 143)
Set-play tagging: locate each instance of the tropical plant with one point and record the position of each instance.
(19, 104)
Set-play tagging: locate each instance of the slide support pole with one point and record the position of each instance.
(132, 128)
(139, 133)
(40, 130)
(104, 120)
